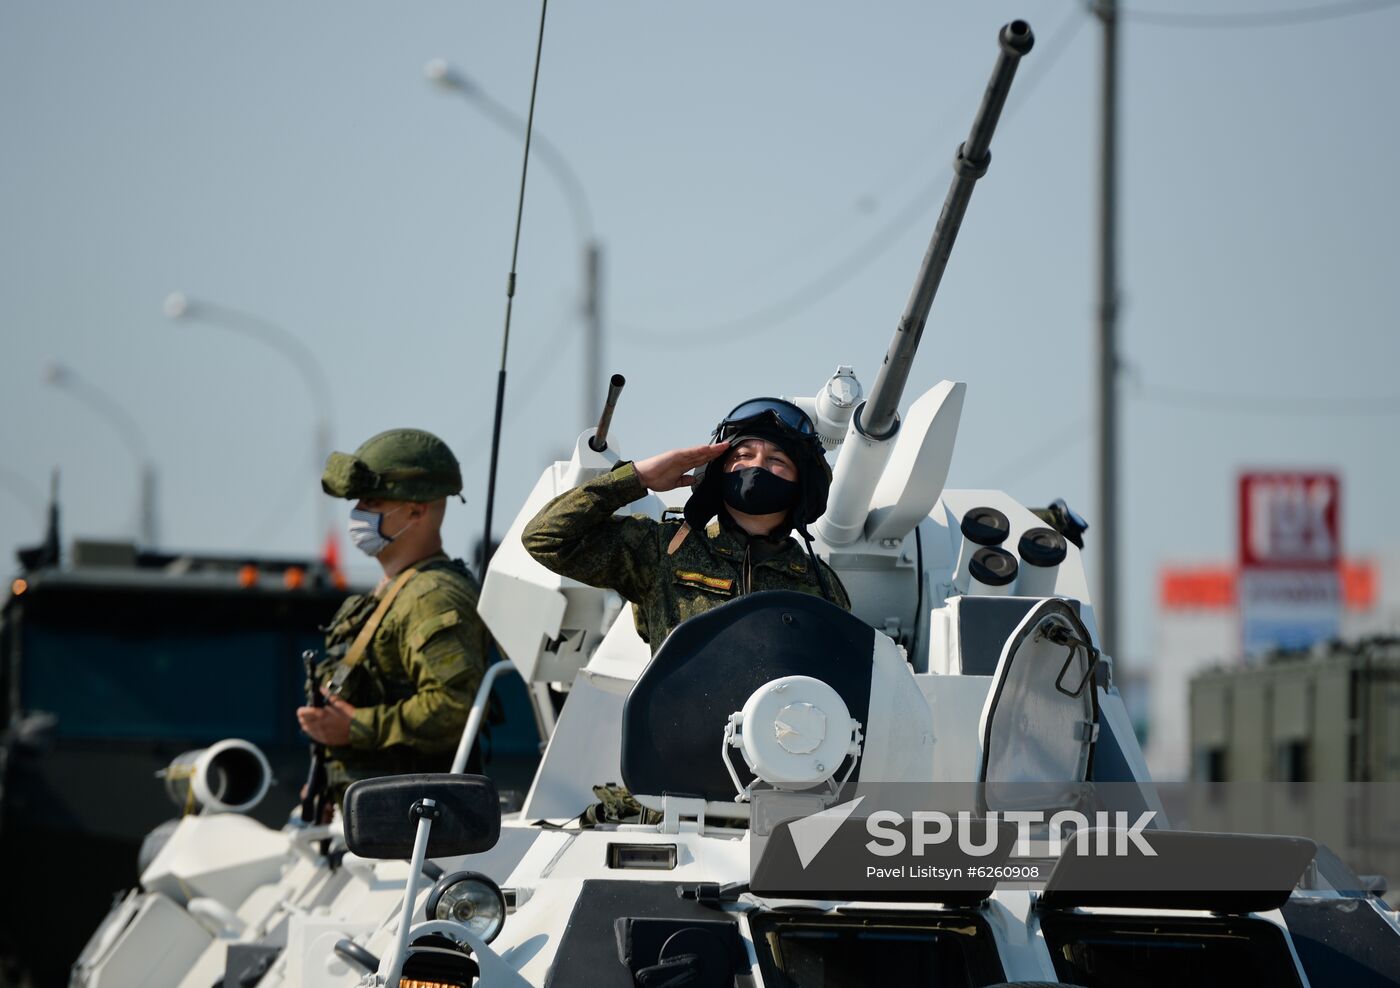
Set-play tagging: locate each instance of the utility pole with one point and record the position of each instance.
(1107, 613)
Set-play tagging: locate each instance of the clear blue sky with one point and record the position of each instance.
(292, 160)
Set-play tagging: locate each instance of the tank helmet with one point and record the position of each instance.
(790, 429)
(397, 465)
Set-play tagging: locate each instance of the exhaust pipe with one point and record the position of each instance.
(231, 776)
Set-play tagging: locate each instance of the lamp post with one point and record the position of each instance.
(114, 414)
(452, 80)
(180, 306)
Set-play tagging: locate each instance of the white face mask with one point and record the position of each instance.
(367, 532)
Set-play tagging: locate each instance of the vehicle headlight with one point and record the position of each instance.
(469, 898)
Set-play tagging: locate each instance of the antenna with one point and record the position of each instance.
(488, 548)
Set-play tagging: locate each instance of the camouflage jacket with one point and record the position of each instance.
(577, 535)
(416, 681)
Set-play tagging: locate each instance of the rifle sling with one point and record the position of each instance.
(361, 643)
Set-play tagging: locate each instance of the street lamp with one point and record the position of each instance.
(180, 306)
(114, 414)
(451, 79)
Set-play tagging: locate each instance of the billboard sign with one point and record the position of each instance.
(1290, 554)
(1290, 521)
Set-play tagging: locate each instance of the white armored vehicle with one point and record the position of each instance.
(941, 787)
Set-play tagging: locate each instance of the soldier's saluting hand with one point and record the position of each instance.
(667, 471)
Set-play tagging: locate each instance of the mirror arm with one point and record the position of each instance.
(425, 811)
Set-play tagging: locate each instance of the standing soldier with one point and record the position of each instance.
(403, 663)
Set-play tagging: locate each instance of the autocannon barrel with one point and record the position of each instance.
(599, 442)
(878, 419)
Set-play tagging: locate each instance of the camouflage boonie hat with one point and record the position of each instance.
(398, 465)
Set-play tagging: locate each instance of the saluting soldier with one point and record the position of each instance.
(763, 476)
(402, 664)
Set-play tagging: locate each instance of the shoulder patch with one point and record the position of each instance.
(440, 581)
(799, 568)
(426, 629)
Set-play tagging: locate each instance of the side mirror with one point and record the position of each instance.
(380, 822)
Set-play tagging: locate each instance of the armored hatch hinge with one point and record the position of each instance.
(712, 895)
(676, 810)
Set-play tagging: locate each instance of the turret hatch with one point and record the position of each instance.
(1040, 720)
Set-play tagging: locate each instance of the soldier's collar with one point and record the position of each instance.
(728, 539)
(723, 521)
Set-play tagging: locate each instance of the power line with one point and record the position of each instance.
(546, 361)
(1071, 434)
(1052, 442)
(1197, 399)
(771, 316)
(833, 229)
(1065, 437)
(1263, 18)
(774, 314)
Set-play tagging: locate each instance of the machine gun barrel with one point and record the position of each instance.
(878, 418)
(599, 442)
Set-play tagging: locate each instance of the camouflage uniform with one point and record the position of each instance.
(578, 536)
(414, 684)
(417, 680)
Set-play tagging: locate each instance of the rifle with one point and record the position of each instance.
(313, 803)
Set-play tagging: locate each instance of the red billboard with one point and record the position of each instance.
(1290, 520)
(1290, 555)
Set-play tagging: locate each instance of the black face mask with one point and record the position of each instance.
(756, 491)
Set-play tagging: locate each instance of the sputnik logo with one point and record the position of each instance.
(1114, 834)
(811, 834)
